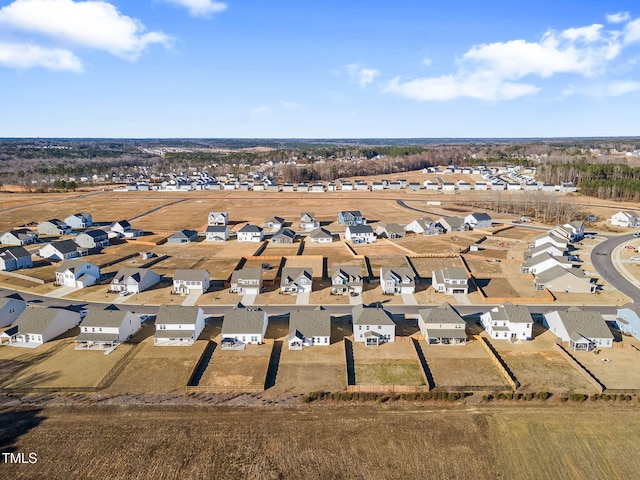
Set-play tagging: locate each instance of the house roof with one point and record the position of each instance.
(310, 323)
(291, 275)
(391, 228)
(399, 273)
(246, 274)
(72, 265)
(104, 318)
(453, 222)
(558, 271)
(65, 246)
(191, 275)
(307, 216)
(276, 219)
(16, 252)
(481, 217)
(542, 248)
(284, 232)
(452, 273)
(136, 273)
(353, 213)
(37, 319)
(348, 271)
(584, 324)
(177, 315)
(241, 320)
(217, 229)
(188, 234)
(424, 222)
(360, 229)
(96, 233)
(543, 257)
(250, 229)
(5, 300)
(320, 233)
(96, 337)
(444, 313)
(511, 313)
(122, 223)
(362, 315)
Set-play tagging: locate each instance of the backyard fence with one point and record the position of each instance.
(500, 363)
(590, 377)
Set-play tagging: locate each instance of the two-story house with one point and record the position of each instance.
(178, 326)
(250, 233)
(360, 234)
(397, 280)
(77, 273)
(309, 328)
(508, 322)
(247, 281)
(442, 326)
(296, 280)
(188, 281)
(105, 329)
(450, 280)
(372, 326)
(350, 218)
(346, 280)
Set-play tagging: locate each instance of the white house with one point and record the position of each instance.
(397, 280)
(552, 238)
(246, 281)
(309, 328)
(543, 262)
(121, 227)
(442, 326)
(188, 281)
(450, 280)
(583, 330)
(217, 233)
(178, 326)
(38, 325)
(372, 325)
(92, 239)
(625, 219)
(105, 329)
(22, 236)
(360, 234)
(218, 218)
(62, 250)
(79, 220)
(244, 326)
(77, 273)
(274, 223)
(548, 248)
(422, 225)
(478, 220)
(15, 258)
(350, 217)
(308, 221)
(508, 322)
(250, 233)
(134, 280)
(346, 280)
(296, 280)
(53, 227)
(10, 310)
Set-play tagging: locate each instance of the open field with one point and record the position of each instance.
(314, 369)
(230, 368)
(378, 248)
(532, 442)
(462, 365)
(421, 244)
(393, 363)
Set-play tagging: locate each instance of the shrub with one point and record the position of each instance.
(594, 397)
(577, 397)
(605, 396)
(453, 396)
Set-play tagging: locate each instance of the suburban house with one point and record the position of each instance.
(350, 218)
(309, 328)
(390, 230)
(105, 329)
(584, 330)
(53, 227)
(79, 221)
(548, 248)
(320, 235)
(552, 238)
(284, 235)
(10, 310)
(217, 233)
(625, 219)
(218, 218)
(183, 236)
(134, 280)
(450, 280)
(22, 236)
(543, 262)
(178, 326)
(296, 280)
(308, 221)
(346, 280)
(508, 322)
(627, 320)
(38, 325)
(274, 223)
(360, 234)
(422, 225)
(244, 326)
(92, 239)
(121, 227)
(77, 274)
(442, 326)
(188, 281)
(250, 233)
(451, 224)
(246, 281)
(397, 280)
(577, 229)
(372, 325)
(15, 258)
(478, 220)
(62, 250)
(568, 280)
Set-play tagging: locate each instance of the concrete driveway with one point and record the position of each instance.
(248, 299)
(409, 299)
(61, 292)
(303, 298)
(190, 299)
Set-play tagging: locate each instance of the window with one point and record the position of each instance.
(379, 327)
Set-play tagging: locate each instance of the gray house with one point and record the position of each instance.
(372, 325)
(296, 280)
(244, 326)
(284, 235)
(53, 227)
(37, 325)
(584, 330)
(246, 281)
(450, 280)
(390, 230)
(451, 224)
(350, 218)
(79, 220)
(217, 233)
(10, 310)
(478, 220)
(189, 281)
(62, 250)
(346, 280)
(22, 236)
(309, 328)
(92, 239)
(14, 258)
(134, 280)
(442, 326)
(274, 223)
(183, 236)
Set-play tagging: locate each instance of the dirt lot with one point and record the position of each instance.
(428, 244)
(315, 263)
(313, 369)
(620, 372)
(426, 266)
(510, 287)
(393, 363)
(238, 367)
(459, 366)
(378, 248)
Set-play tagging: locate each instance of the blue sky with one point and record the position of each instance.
(250, 68)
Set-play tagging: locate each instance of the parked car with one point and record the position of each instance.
(635, 259)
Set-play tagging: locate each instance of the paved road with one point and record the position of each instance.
(602, 260)
(155, 209)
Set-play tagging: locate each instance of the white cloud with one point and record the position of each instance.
(90, 24)
(632, 31)
(30, 56)
(364, 76)
(494, 71)
(200, 8)
(619, 17)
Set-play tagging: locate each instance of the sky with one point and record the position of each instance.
(325, 69)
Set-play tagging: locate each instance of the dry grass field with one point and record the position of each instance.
(460, 366)
(393, 363)
(421, 244)
(533, 442)
(510, 288)
(378, 248)
(620, 372)
(232, 368)
(315, 263)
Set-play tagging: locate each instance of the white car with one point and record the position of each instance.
(635, 259)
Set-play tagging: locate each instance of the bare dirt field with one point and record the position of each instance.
(422, 244)
(426, 266)
(313, 369)
(315, 263)
(281, 250)
(378, 248)
(511, 288)
(620, 372)
(237, 368)
(460, 366)
(530, 442)
(393, 363)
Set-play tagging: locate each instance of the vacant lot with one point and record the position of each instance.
(619, 372)
(378, 248)
(312, 369)
(389, 364)
(386, 261)
(426, 266)
(460, 366)
(315, 263)
(510, 288)
(433, 244)
(237, 368)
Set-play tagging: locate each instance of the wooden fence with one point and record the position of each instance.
(590, 377)
(500, 363)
